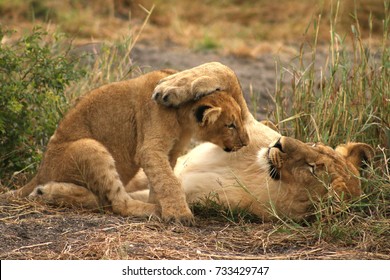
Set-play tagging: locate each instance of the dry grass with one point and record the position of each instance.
(31, 230)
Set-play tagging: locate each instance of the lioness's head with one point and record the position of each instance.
(219, 121)
(316, 165)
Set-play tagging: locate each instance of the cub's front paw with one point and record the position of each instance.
(184, 217)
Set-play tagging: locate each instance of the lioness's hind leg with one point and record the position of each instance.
(97, 171)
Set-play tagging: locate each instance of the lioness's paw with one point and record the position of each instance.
(131, 207)
(190, 84)
(168, 96)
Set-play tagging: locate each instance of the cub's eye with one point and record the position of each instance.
(231, 126)
(312, 168)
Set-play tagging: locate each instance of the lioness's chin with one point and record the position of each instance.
(262, 159)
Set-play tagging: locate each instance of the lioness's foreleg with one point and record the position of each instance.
(199, 81)
(92, 165)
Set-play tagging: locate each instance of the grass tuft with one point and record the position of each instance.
(346, 99)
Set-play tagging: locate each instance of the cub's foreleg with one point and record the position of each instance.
(191, 84)
(165, 188)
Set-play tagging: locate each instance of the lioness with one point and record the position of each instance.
(281, 180)
(114, 130)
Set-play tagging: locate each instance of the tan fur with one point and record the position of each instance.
(116, 129)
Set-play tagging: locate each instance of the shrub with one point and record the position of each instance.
(33, 77)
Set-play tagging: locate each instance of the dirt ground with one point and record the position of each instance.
(30, 230)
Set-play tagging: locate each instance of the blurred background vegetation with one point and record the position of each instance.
(238, 27)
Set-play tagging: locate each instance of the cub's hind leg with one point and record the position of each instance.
(67, 194)
(91, 165)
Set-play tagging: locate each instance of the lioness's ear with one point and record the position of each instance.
(356, 153)
(270, 125)
(206, 115)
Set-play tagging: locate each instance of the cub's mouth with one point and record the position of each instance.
(233, 148)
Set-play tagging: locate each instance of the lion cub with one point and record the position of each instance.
(114, 130)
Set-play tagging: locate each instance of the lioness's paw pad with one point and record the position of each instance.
(187, 85)
(168, 96)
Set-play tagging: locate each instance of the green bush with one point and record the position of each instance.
(33, 77)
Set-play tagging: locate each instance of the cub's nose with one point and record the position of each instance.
(245, 140)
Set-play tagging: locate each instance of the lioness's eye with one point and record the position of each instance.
(231, 126)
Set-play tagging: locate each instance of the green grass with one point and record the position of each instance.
(348, 99)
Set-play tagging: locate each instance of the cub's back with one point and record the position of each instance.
(109, 108)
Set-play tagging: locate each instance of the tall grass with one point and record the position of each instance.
(346, 99)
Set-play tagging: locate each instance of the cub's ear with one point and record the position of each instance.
(356, 153)
(206, 115)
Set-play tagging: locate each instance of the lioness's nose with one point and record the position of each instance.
(278, 145)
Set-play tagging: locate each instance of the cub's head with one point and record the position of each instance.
(314, 166)
(219, 120)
